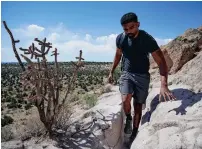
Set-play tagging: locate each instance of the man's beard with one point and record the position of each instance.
(131, 35)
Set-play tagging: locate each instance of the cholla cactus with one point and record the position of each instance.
(13, 45)
(45, 82)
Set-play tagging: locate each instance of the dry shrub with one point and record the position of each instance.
(6, 134)
(63, 119)
(32, 128)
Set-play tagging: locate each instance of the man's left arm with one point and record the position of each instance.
(160, 60)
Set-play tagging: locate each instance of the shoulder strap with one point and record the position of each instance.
(121, 45)
(122, 39)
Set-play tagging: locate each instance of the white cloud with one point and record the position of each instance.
(30, 31)
(88, 37)
(75, 36)
(73, 47)
(65, 34)
(53, 37)
(106, 39)
(70, 43)
(163, 41)
(35, 28)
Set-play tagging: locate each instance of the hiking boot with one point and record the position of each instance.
(128, 126)
(133, 135)
(131, 139)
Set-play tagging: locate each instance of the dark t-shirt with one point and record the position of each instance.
(136, 51)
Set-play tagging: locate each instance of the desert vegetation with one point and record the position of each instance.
(50, 88)
(89, 84)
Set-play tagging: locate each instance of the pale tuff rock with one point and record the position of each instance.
(172, 125)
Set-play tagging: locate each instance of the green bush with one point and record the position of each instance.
(90, 99)
(117, 74)
(10, 88)
(6, 134)
(3, 99)
(6, 120)
(14, 101)
(28, 106)
(14, 105)
(179, 38)
(19, 106)
(20, 101)
(85, 88)
(8, 99)
(91, 88)
(19, 95)
(24, 95)
(25, 102)
(74, 97)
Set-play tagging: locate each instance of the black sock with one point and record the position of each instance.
(128, 116)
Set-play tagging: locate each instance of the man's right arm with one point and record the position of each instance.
(117, 59)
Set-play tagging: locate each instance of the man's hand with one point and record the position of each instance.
(110, 78)
(117, 59)
(165, 92)
(160, 60)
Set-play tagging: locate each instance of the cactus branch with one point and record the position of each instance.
(13, 44)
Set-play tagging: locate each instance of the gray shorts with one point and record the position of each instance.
(136, 84)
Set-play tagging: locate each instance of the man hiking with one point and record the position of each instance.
(134, 46)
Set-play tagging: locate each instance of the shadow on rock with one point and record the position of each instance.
(87, 139)
(187, 97)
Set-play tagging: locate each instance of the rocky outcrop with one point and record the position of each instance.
(172, 124)
(168, 60)
(200, 28)
(107, 129)
(190, 74)
(31, 144)
(176, 124)
(183, 48)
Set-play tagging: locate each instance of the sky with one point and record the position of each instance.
(91, 26)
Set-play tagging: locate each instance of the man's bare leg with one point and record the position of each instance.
(127, 103)
(137, 115)
(127, 110)
(136, 119)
